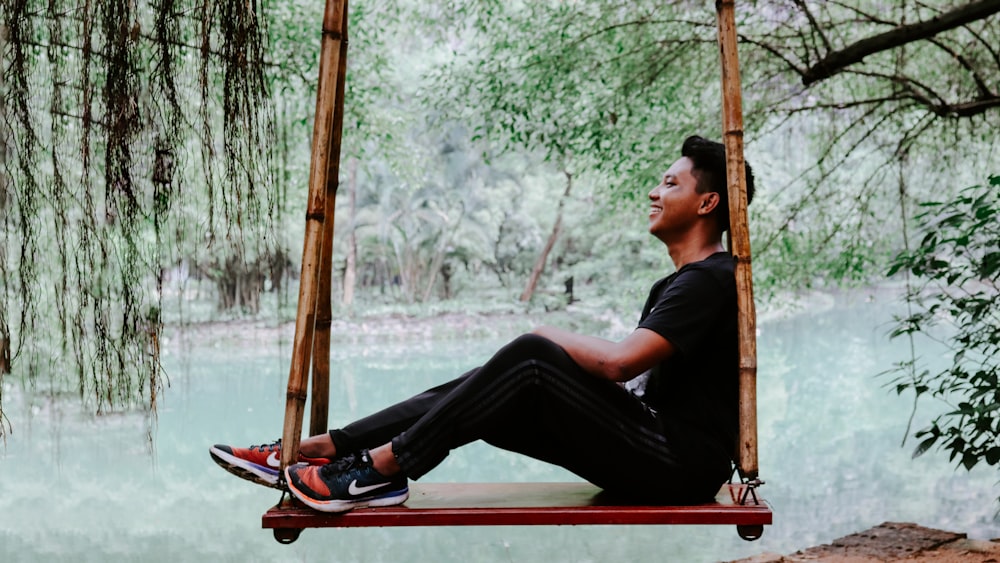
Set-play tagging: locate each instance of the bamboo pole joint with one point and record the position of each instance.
(297, 395)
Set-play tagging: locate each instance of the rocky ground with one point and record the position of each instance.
(894, 541)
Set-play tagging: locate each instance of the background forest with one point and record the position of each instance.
(154, 156)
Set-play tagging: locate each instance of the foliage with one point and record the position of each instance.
(860, 123)
(168, 142)
(183, 158)
(957, 268)
(575, 80)
(455, 219)
(617, 86)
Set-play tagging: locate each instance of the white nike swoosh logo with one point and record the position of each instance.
(273, 460)
(354, 489)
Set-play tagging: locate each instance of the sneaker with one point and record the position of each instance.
(347, 483)
(259, 464)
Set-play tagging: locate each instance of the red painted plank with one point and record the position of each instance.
(520, 504)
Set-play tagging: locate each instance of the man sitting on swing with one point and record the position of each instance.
(652, 418)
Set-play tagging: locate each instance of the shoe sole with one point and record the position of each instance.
(339, 505)
(245, 470)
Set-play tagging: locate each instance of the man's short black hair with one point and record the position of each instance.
(709, 158)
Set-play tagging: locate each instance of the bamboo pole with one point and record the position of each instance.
(732, 130)
(305, 320)
(320, 403)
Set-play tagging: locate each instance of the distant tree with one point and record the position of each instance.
(543, 256)
(417, 224)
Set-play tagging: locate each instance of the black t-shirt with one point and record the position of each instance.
(695, 392)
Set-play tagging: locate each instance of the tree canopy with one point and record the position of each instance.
(836, 95)
(167, 141)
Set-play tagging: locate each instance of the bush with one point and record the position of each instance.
(957, 273)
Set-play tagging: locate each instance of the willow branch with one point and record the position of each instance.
(67, 115)
(797, 208)
(837, 61)
(774, 51)
(968, 109)
(638, 22)
(847, 105)
(862, 16)
(918, 90)
(940, 107)
(816, 28)
(984, 90)
(990, 48)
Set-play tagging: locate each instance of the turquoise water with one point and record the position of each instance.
(76, 488)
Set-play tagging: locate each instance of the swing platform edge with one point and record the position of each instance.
(523, 504)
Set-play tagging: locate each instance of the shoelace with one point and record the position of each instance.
(267, 447)
(339, 465)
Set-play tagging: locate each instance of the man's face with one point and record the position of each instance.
(675, 202)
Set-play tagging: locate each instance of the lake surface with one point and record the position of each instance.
(79, 488)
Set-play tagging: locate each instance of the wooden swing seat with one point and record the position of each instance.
(522, 504)
(496, 504)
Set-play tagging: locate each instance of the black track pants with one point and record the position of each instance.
(531, 398)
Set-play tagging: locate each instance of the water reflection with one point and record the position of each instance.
(78, 488)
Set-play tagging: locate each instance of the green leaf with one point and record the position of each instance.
(895, 267)
(990, 265)
(922, 447)
(969, 460)
(938, 264)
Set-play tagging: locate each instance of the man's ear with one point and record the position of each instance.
(709, 201)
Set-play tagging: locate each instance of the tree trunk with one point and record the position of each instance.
(539, 268)
(438, 259)
(239, 285)
(351, 269)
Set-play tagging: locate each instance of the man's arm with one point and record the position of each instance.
(617, 361)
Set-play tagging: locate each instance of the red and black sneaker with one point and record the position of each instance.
(257, 463)
(350, 482)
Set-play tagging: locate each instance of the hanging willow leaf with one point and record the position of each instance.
(100, 122)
